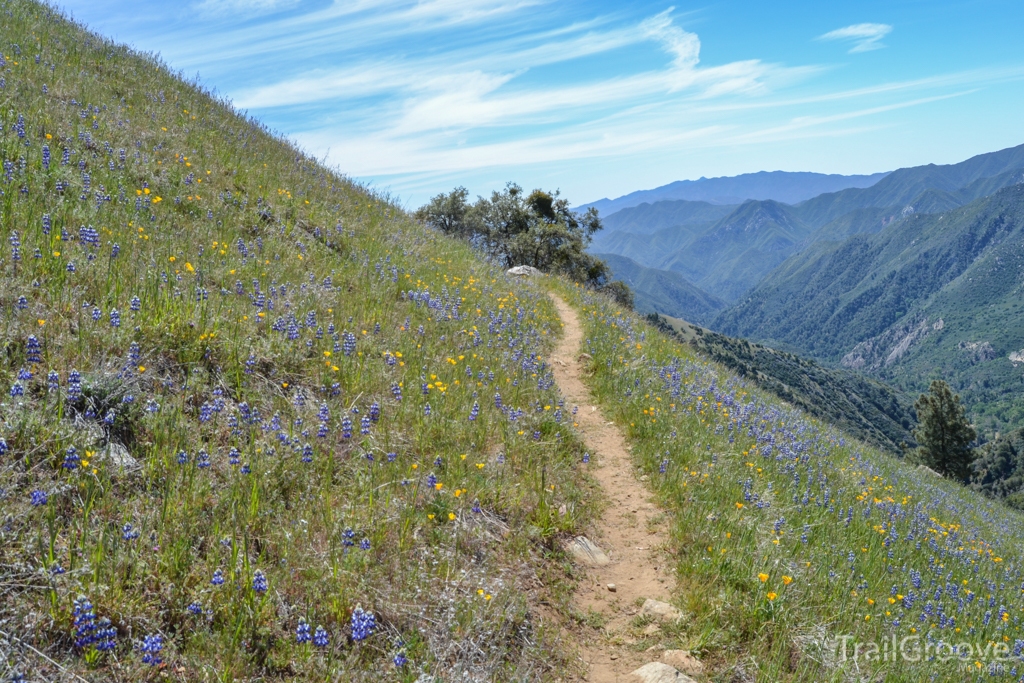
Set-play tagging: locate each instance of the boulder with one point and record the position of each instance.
(587, 552)
(656, 672)
(527, 271)
(119, 457)
(661, 611)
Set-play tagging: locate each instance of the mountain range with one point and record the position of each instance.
(782, 186)
(727, 250)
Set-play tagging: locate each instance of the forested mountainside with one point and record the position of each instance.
(663, 290)
(932, 296)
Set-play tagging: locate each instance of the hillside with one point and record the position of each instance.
(663, 290)
(781, 186)
(256, 423)
(865, 409)
(788, 536)
(931, 296)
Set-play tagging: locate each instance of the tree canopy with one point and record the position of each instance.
(944, 434)
(536, 229)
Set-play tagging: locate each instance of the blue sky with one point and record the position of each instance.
(598, 99)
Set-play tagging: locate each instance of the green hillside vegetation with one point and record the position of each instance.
(663, 290)
(930, 297)
(864, 408)
(999, 468)
(256, 422)
(788, 535)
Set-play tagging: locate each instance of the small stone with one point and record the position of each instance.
(656, 672)
(611, 588)
(660, 610)
(584, 358)
(652, 630)
(684, 661)
(614, 657)
(587, 552)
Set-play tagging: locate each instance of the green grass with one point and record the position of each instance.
(736, 462)
(264, 283)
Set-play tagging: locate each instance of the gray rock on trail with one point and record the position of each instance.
(660, 610)
(656, 672)
(587, 552)
(528, 271)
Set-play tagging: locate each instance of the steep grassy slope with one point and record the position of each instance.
(255, 422)
(792, 542)
(865, 409)
(931, 296)
(663, 290)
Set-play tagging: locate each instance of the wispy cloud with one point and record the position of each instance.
(247, 8)
(865, 37)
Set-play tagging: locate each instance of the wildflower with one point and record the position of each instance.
(90, 631)
(151, 647)
(772, 596)
(302, 631)
(762, 577)
(474, 412)
(363, 624)
(218, 578)
(115, 318)
(71, 459)
(322, 639)
(259, 582)
(364, 544)
(38, 498)
(128, 532)
(194, 608)
(399, 659)
(33, 350)
(787, 580)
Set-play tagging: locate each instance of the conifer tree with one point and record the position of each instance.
(944, 434)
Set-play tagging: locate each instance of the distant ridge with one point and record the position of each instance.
(781, 186)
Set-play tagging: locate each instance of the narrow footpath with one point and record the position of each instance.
(628, 574)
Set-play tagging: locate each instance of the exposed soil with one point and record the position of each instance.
(629, 532)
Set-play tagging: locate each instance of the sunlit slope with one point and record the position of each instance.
(789, 535)
(255, 422)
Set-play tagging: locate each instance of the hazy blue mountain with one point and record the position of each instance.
(782, 186)
(728, 257)
(663, 291)
(647, 218)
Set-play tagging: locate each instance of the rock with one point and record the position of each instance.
(611, 588)
(684, 661)
(587, 552)
(584, 358)
(652, 630)
(119, 457)
(660, 610)
(528, 271)
(928, 470)
(656, 672)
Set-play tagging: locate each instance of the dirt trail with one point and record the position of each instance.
(630, 532)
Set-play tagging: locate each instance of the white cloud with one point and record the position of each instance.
(249, 8)
(865, 37)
